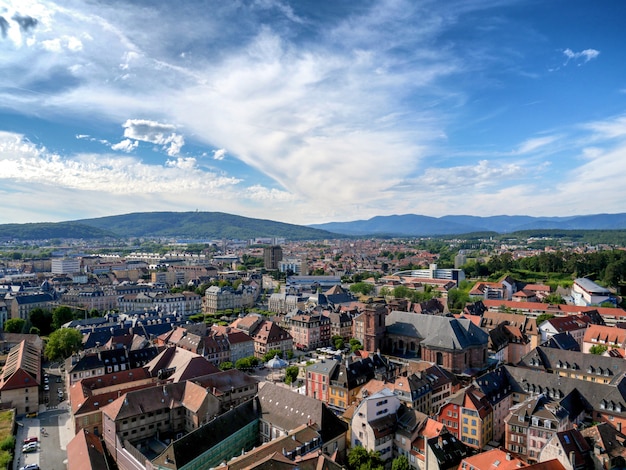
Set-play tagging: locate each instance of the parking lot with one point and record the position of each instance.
(50, 429)
(53, 431)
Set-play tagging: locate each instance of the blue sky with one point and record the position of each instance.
(311, 111)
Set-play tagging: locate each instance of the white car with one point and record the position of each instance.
(31, 447)
(30, 466)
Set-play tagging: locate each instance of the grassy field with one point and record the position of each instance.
(7, 440)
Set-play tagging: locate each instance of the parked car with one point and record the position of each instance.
(32, 414)
(30, 439)
(58, 379)
(30, 447)
(30, 466)
(46, 388)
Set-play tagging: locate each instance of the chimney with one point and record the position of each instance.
(572, 458)
(508, 456)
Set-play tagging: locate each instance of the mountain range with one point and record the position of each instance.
(218, 225)
(421, 225)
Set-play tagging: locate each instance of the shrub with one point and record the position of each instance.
(8, 443)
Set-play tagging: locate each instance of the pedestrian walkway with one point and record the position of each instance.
(66, 428)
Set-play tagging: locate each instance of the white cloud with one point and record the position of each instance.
(25, 162)
(581, 57)
(184, 163)
(125, 145)
(534, 144)
(482, 174)
(156, 133)
(219, 154)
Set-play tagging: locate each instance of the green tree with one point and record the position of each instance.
(14, 325)
(543, 317)
(62, 343)
(60, 316)
(457, 299)
(553, 298)
(400, 463)
(401, 292)
(243, 363)
(291, 374)
(598, 349)
(271, 354)
(362, 288)
(34, 331)
(360, 459)
(338, 342)
(227, 365)
(355, 345)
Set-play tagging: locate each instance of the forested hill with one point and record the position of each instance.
(196, 225)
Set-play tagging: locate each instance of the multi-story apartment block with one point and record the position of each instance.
(272, 255)
(88, 396)
(231, 387)
(469, 417)
(496, 387)
(20, 305)
(526, 325)
(340, 324)
(531, 424)
(173, 409)
(575, 325)
(577, 365)
(90, 298)
(185, 303)
(106, 362)
(220, 298)
(65, 265)
(284, 410)
(608, 337)
(269, 336)
(285, 303)
(309, 330)
(318, 379)
(349, 376)
(570, 448)
(373, 423)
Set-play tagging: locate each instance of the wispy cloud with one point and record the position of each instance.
(581, 57)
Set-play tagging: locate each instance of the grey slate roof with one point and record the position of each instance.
(436, 331)
(602, 397)
(288, 410)
(556, 360)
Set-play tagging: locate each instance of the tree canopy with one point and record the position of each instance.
(361, 459)
(14, 325)
(62, 343)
